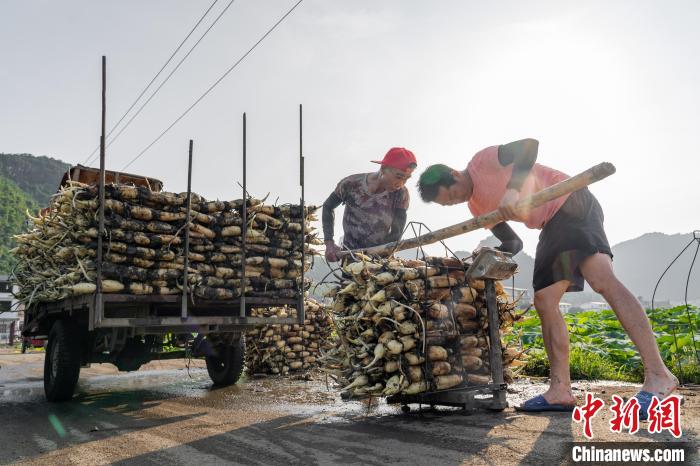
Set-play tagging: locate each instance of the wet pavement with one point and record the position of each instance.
(167, 414)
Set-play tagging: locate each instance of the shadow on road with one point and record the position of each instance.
(550, 446)
(436, 437)
(33, 428)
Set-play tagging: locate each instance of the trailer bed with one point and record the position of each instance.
(151, 312)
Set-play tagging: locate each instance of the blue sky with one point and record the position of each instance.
(593, 81)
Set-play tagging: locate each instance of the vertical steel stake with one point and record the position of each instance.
(183, 310)
(495, 354)
(301, 312)
(244, 227)
(99, 305)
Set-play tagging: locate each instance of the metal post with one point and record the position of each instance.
(99, 305)
(301, 312)
(183, 310)
(495, 354)
(244, 226)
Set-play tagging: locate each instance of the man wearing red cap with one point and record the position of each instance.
(375, 204)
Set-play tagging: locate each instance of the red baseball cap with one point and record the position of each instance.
(398, 157)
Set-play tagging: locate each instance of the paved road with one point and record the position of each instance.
(162, 415)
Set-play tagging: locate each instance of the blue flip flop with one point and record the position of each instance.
(538, 404)
(644, 400)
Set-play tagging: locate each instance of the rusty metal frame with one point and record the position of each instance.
(465, 397)
(188, 218)
(244, 225)
(96, 316)
(95, 304)
(301, 310)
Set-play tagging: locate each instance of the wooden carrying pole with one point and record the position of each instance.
(583, 179)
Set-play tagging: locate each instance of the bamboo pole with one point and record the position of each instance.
(583, 179)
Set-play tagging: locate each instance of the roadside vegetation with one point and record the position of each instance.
(600, 349)
(14, 204)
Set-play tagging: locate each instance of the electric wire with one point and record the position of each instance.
(133, 117)
(216, 83)
(696, 238)
(94, 152)
(687, 308)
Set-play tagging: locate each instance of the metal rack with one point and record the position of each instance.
(190, 313)
(488, 265)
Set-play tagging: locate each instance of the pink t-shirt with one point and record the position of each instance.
(490, 179)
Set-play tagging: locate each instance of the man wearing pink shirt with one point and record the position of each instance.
(572, 248)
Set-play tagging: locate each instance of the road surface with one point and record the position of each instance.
(162, 414)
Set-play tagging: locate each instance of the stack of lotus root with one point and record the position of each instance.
(412, 326)
(143, 245)
(289, 348)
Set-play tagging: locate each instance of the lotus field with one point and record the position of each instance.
(600, 347)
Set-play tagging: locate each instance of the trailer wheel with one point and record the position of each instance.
(226, 368)
(62, 361)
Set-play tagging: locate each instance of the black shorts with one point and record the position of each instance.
(573, 234)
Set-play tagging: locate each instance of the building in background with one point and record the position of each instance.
(522, 295)
(595, 306)
(9, 315)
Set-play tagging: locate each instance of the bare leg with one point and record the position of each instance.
(598, 272)
(556, 342)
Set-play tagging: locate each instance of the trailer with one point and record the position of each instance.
(129, 330)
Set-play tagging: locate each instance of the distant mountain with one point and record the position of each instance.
(36, 176)
(14, 203)
(26, 183)
(638, 263)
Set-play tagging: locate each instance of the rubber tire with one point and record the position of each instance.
(227, 368)
(62, 361)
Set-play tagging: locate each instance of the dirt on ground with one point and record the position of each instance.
(168, 413)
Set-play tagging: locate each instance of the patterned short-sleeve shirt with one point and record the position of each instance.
(368, 216)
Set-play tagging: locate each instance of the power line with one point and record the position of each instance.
(94, 152)
(212, 86)
(169, 75)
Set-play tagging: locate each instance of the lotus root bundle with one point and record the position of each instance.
(143, 245)
(289, 348)
(413, 326)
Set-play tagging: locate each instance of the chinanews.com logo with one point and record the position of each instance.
(616, 453)
(627, 416)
